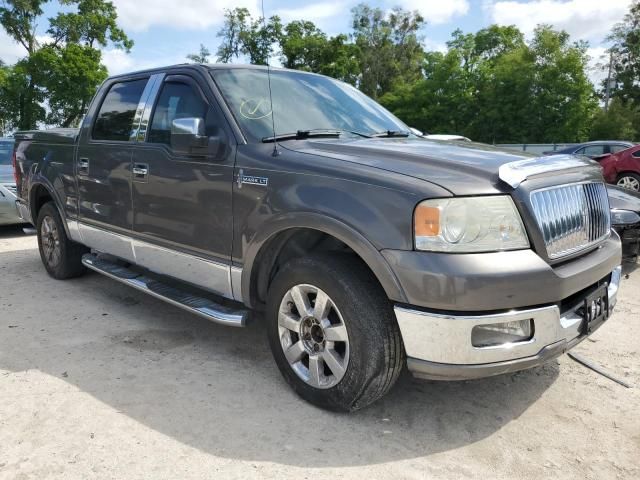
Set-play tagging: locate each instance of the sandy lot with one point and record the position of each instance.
(100, 381)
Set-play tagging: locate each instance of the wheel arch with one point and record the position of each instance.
(41, 193)
(262, 253)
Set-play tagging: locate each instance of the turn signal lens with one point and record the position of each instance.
(427, 220)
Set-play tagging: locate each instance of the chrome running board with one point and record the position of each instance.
(198, 304)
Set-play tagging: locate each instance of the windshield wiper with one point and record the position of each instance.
(315, 133)
(389, 134)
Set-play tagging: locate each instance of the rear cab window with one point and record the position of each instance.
(114, 121)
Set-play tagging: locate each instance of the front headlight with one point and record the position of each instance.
(469, 225)
(624, 217)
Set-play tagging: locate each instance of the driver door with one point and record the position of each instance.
(182, 200)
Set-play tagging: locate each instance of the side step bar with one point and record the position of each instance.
(200, 305)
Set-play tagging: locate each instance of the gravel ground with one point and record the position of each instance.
(100, 381)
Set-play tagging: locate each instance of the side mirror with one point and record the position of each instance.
(599, 158)
(188, 134)
(417, 132)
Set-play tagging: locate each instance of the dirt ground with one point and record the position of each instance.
(100, 381)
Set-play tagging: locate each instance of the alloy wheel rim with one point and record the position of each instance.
(629, 183)
(50, 241)
(313, 336)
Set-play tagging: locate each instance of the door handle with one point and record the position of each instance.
(83, 166)
(140, 171)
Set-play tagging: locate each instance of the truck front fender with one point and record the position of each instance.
(330, 226)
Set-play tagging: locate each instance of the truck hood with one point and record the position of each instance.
(462, 168)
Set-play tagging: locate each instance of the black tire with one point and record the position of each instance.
(66, 260)
(630, 176)
(376, 353)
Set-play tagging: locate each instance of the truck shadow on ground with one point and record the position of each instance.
(14, 231)
(217, 388)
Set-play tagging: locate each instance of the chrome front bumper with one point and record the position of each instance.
(438, 346)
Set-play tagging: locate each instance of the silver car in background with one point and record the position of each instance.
(8, 212)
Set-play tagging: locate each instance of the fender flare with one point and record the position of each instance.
(343, 232)
(44, 183)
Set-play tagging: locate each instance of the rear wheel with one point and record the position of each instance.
(630, 181)
(61, 257)
(333, 332)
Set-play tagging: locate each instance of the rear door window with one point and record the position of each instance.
(114, 121)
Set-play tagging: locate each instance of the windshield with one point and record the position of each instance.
(6, 148)
(301, 102)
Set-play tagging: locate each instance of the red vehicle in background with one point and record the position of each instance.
(622, 168)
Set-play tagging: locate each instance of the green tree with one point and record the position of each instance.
(493, 87)
(626, 54)
(438, 103)
(471, 89)
(5, 117)
(243, 35)
(563, 99)
(389, 48)
(201, 57)
(618, 122)
(64, 72)
(303, 46)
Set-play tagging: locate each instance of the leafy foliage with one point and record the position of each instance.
(494, 87)
(244, 35)
(201, 57)
(617, 122)
(389, 48)
(626, 66)
(55, 81)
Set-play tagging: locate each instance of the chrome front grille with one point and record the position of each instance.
(572, 217)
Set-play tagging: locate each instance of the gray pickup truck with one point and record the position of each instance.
(226, 190)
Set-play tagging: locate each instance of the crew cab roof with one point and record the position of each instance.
(202, 66)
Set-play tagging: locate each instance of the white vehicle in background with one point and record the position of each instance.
(447, 138)
(8, 211)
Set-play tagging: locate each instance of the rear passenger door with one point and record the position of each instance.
(103, 158)
(182, 199)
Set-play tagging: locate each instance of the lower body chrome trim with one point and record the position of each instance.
(73, 227)
(208, 275)
(236, 283)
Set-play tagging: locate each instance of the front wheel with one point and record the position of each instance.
(333, 332)
(630, 181)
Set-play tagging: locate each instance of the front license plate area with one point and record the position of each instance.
(595, 310)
